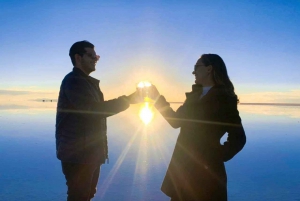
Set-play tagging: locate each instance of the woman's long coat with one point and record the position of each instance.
(196, 170)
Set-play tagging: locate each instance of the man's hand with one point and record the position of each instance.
(134, 98)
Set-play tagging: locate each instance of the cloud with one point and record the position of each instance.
(21, 92)
(22, 99)
(13, 92)
(281, 103)
(275, 110)
(292, 96)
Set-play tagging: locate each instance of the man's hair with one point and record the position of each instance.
(78, 48)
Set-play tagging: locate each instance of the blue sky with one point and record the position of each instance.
(159, 41)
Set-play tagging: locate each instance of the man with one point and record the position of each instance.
(81, 140)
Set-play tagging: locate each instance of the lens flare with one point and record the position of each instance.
(143, 84)
(146, 113)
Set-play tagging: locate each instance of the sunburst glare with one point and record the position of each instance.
(143, 84)
(146, 114)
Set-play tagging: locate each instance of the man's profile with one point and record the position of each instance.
(81, 139)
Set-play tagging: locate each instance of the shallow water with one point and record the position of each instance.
(266, 169)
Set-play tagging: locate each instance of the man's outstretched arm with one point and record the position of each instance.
(82, 100)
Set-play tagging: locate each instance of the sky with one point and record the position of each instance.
(159, 41)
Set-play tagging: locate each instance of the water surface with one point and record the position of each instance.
(266, 169)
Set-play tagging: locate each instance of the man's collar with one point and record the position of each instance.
(81, 73)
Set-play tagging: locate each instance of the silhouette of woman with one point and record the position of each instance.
(196, 171)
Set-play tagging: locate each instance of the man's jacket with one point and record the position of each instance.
(81, 119)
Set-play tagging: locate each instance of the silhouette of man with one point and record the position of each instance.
(81, 140)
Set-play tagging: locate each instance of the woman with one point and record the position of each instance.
(196, 171)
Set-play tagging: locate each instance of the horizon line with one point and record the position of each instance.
(275, 104)
(177, 102)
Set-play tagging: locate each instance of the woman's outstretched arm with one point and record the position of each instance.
(174, 118)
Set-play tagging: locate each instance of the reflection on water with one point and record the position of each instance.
(275, 110)
(266, 169)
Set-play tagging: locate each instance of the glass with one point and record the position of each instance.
(143, 89)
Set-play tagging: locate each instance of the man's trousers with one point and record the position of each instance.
(81, 179)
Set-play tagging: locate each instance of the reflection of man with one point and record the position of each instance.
(81, 140)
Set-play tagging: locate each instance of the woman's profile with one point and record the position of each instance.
(196, 171)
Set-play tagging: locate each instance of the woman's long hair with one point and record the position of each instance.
(219, 70)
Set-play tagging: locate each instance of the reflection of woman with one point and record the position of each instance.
(196, 170)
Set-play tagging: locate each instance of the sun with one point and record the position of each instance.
(143, 84)
(146, 114)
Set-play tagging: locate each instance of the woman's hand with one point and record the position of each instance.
(153, 92)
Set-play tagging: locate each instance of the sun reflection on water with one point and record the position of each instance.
(146, 113)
